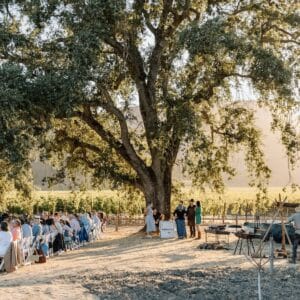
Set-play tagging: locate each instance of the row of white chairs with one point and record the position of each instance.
(28, 245)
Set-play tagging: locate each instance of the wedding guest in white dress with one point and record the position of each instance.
(150, 222)
(5, 238)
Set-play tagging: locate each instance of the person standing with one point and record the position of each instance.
(179, 214)
(157, 217)
(295, 218)
(150, 222)
(198, 214)
(191, 218)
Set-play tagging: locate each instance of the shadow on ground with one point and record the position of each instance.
(213, 283)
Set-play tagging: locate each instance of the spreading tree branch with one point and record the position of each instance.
(130, 157)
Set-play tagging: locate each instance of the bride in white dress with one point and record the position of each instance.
(150, 222)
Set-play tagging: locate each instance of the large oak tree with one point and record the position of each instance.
(120, 88)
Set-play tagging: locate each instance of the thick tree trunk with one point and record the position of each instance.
(159, 192)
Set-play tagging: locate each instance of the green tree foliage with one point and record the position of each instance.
(119, 88)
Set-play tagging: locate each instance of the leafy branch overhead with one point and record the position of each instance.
(121, 88)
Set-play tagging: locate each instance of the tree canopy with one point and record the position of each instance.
(120, 88)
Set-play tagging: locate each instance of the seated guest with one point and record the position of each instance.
(26, 229)
(5, 238)
(75, 225)
(16, 230)
(45, 215)
(44, 246)
(57, 223)
(45, 227)
(57, 237)
(86, 221)
(37, 227)
(52, 227)
(66, 227)
(5, 217)
(67, 232)
(83, 234)
(65, 216)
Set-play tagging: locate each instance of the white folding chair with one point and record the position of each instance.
(92, 233)
(68, 240)
(2, 259)
(50, 239)
(45, 239)
(76, 241)
(97, 231)
(27, 250)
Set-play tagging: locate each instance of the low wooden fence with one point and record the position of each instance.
(206, 220)
(126, 221)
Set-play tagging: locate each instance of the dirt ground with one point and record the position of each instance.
(125, 265)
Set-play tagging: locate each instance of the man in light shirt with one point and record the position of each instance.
(75, 225)
(57, 223)
(37, 228)
(295, 218)
(26, 229)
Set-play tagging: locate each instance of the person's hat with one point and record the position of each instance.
(37, 217)
(297, 209)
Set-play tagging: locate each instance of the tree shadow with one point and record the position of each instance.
(116, 247)
(217, 283)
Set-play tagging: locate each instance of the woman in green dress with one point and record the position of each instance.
(198, 216)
